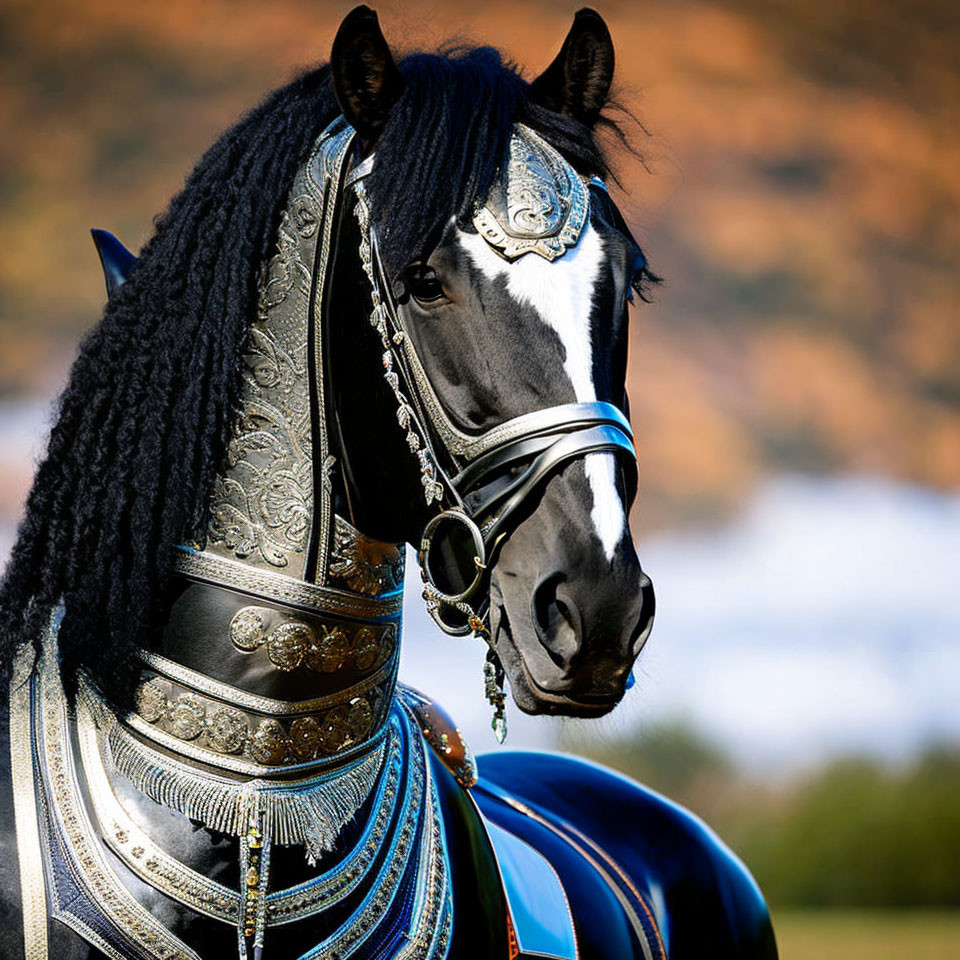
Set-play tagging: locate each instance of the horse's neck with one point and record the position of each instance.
(283, 597)
(279, 648)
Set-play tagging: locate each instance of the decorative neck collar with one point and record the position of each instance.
(204, 721)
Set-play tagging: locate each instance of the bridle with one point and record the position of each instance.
(481, 481)
(487, 498)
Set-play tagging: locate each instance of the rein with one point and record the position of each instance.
(485, 479)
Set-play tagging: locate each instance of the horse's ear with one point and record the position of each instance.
(117, 261)
(578, 80)
(366, 81)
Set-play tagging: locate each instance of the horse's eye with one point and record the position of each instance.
(423, 283)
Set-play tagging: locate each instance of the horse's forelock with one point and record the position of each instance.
(445, 139)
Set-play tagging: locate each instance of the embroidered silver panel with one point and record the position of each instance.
(262, 508)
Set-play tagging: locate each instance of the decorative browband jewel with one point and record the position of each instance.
(538, 205)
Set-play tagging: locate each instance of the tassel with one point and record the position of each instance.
(309, 812)
(493, 677)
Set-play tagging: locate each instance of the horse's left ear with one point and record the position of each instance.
(578, 80)
(366, 81)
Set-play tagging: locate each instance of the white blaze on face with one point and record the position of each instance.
(561, 292)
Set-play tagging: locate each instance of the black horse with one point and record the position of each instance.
(393, 299)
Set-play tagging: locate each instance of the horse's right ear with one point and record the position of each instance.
(366, 81)
(578, 80)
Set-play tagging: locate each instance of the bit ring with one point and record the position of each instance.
(479, 558)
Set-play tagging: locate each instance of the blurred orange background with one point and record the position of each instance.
(801, 196)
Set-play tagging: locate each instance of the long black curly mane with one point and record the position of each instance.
(141, 426)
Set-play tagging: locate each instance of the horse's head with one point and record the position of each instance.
(519, 311)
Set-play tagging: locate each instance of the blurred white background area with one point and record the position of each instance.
(823, 620)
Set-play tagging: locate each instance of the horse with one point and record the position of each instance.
(389, 306)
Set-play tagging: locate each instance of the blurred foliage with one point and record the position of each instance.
(852, 834)
(858, 835)
(801, 194)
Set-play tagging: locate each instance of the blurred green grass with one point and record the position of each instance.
(868, 935)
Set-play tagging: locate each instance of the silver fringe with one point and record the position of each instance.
(310, 812)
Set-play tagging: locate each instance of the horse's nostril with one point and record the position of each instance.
(564, 612)
(543, 604)
(556, 619)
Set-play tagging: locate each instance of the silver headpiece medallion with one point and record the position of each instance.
(538, 203)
